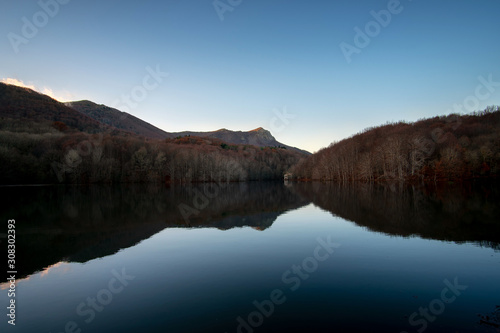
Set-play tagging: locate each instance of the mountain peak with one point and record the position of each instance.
(259, 129)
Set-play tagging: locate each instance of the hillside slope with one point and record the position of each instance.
(43, 141)
(118, 119)
(453, 147)
(121, 120)
(21, 106)
(258, 137)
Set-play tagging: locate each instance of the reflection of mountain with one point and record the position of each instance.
(469, 213)
(80, 223)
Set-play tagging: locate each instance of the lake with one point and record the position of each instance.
(254, 257)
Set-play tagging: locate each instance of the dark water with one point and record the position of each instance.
(254, 257)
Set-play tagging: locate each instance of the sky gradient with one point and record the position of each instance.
(263, 58)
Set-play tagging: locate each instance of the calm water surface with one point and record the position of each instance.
(256, 257)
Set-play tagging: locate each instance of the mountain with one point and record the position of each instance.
(118, 119)
(23, 104)
(25, 107)
(121, 120)
(43, 141)
(258, 137)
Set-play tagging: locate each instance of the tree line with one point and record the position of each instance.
(51, 152)
(449, 147)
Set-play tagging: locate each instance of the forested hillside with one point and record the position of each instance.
(450, 147)
(22, 109)
(118, 119)
(44, 141)
(258, 137)
(124, 121)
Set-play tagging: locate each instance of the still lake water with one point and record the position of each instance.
(254, 257)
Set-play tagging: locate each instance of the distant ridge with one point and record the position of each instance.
(44, 141)
(259, 137)
(87, 116)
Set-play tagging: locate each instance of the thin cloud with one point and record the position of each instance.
(18, 83)
(63, 96)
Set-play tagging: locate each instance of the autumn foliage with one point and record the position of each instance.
(44, 141)
(78, 157)
(443, 148)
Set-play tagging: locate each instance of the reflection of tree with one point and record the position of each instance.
(491, 319)
(453, 213)
(80, 223)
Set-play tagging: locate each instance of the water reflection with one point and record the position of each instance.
(197, 271)
(80, 223)
(460, 213)
(60, 223)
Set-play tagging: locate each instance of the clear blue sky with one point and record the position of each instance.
(265, 55)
